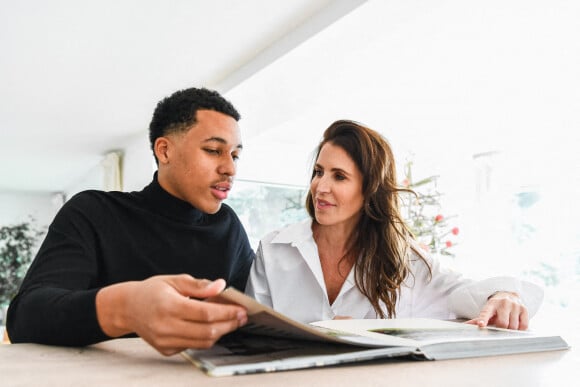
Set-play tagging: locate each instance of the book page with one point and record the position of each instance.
(421, 331)
(271, 341)
(409, 332)
(263, 320)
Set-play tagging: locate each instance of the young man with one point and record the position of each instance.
(116, 263)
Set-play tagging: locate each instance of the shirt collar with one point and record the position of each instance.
(299, 235)
(295, 233)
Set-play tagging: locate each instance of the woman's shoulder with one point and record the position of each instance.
(418, 254)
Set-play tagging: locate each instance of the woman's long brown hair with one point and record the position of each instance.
(381, 240)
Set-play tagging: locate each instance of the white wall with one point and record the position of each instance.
(138, 164)
(137, 170)
(137, 167)
(16, 207)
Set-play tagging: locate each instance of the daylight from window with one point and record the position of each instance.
(482, 100)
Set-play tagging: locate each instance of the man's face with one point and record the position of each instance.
(198, 166)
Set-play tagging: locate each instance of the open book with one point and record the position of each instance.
(273, 342)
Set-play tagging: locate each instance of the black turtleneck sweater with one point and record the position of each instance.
(101, 238)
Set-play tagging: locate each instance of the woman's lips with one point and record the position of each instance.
(323, 204)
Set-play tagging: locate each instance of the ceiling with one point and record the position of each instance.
(442, 80)
(80, 78)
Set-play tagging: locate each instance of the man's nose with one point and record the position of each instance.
(228, 167)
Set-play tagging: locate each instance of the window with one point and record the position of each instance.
(263, 208)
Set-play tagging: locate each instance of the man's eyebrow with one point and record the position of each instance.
(221, 141)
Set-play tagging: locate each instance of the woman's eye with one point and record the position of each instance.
(317, 172)
(340, 177)
(212, 151)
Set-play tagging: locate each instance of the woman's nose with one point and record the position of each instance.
(323, 185)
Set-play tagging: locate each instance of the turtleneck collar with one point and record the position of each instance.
(168, 205)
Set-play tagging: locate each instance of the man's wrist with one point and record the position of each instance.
(111, 307)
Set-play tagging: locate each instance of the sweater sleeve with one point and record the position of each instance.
(55, 316)
(56, 301)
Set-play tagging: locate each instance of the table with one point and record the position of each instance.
(132, 362)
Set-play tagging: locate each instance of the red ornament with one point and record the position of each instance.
(448, 244)
(439, 218)
(455, 230)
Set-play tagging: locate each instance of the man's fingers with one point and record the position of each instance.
(197, 288)
(187, 334)
(171, 312)
(208, 312)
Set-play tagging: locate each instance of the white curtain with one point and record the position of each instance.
(111, 167)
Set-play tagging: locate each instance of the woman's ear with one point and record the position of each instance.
(161, 149)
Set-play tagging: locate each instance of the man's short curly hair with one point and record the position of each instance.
(178, 112)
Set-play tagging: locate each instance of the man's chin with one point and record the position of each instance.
(212, 209)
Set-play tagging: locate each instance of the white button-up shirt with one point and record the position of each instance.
(287, 276)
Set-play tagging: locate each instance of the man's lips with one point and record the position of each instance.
(220, 190)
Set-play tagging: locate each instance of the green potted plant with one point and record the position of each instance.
(17, 249)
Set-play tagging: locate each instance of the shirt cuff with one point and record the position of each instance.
(467, 301)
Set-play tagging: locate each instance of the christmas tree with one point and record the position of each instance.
(423, 214)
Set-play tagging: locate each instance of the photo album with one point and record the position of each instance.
(272, 342)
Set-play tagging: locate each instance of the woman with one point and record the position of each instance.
(356, 258)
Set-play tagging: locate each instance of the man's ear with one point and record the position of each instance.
(161, 149)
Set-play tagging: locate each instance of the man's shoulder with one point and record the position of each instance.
(93, 195)
(96, 200)
(227, 209)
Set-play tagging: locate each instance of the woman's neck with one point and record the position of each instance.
(336, 236)
(336, 259)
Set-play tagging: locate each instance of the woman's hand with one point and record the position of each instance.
(503, 310)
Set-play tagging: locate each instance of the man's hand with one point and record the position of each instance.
(168, 312)
(503, 310)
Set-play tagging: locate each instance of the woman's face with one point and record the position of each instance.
(336, 187)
